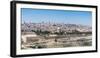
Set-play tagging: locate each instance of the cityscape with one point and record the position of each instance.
(38, 32)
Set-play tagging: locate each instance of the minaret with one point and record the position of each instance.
(58, 29)
(23, 22)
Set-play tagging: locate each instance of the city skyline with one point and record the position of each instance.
(56, 16)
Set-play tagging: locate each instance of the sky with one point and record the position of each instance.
(56, 16)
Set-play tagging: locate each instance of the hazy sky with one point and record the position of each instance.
(57, 16)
